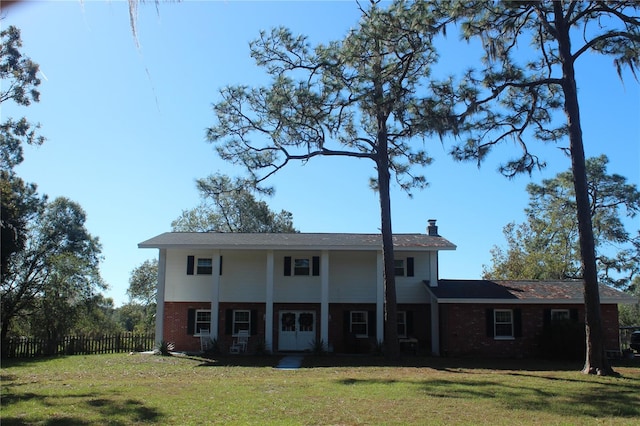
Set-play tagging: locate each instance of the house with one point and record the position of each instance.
(291, 290)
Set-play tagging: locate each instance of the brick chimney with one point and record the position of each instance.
(432, 229)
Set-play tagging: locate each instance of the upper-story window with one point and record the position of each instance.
(302, 266)
(404, 267)
(205, 266)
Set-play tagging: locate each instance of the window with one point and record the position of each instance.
(399, 267)
(503, 323)
(205, 266)
(359, 325)
(301, 267)
(559, 315)
(203, 321)
(241, 320)
(402, 324)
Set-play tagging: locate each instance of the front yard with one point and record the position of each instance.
(135, 389)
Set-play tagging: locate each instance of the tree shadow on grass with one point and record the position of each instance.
(113, 410)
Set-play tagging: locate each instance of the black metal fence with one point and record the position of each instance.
(28, 347)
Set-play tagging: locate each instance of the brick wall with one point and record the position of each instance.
(464, 330)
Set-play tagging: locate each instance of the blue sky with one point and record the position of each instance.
(126, 128)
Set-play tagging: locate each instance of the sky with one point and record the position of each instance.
(125, 127)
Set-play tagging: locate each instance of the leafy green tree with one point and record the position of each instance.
(228, 206)
(365, 97)
(513, 101)
(142, 292)
(56, 271)
(547, 247)
(19, 200)
(19, 75)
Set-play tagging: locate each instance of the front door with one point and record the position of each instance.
(297, 330)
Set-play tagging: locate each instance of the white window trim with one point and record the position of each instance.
(196, 322)
(403, 267)
(248, 323)
(495, 324)
(197, 265)
(402, 314)
(309, 266)
(555, 311)
(365, 315)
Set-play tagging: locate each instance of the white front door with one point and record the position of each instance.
(297, 330)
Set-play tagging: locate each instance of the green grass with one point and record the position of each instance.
(147, 389)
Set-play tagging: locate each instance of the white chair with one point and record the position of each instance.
(205, 339)
(240, 342)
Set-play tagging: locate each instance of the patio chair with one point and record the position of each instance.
(205, 339)
(240, 342)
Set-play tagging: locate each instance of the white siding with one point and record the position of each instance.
(179, 286)
(243, 276)
(352, 277)
(413, 289)
(295, 289)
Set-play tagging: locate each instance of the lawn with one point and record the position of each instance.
(146, 389)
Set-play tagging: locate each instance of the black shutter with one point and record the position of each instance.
(573, 314)
(220, 265)
(371, 320)
(228, 321)
(287, 266)
(517, 323)
(490, 330)
(409, 319)
(190, 263)
(191, 322)
(347, 322)
(254, 322)
(410, 266)
(546, 321)
(315, 270)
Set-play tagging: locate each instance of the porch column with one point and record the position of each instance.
(324, 297)
(215, 294)
(162, 266)
(268, 323)
(379, 298)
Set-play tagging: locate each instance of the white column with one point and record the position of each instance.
(433, 269)
(324, 297)
(268, 326)
(379, 298)
(215, 294)
(162, 266)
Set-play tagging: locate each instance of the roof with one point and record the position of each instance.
(293, 241)
(510, 291)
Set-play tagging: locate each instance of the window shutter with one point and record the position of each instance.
(410, 266)
(287, 266)
(191, 322)
(490, 331)
(347, 322)
(228, 321)
(546, 321)
(409, 319)
(315, 269)
(190, 263)
(371, 323)
(254, 322)
(517, 323)
(573, 314)
(220, 265)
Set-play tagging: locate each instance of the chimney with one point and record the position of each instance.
(432, 229)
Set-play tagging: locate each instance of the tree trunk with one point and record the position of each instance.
(595, 362)
(392, 346)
